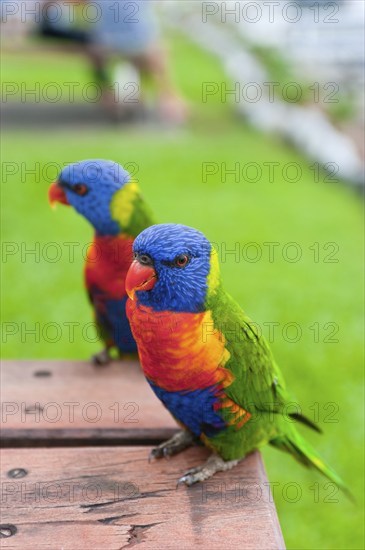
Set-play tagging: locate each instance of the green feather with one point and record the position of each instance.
(258, 387)
(129, 209)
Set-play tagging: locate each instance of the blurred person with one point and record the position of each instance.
(129, 30)
(56, 23)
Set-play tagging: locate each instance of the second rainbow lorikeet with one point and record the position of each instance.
(205, 359)
(105, 194)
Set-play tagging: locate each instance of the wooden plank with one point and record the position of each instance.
(111, 498)
(75, 395)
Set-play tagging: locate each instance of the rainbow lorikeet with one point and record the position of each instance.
(105, 194)
(204, 358)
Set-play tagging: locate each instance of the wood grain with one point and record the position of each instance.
(111, 499)
(73, 395)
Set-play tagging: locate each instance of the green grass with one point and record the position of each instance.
(305, 292)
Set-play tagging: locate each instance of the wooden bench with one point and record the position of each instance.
(75, 474)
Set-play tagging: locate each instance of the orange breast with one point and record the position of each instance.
(179, 351)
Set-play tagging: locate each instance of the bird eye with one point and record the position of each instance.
(80, 189)
(182, 260)
(144, 259)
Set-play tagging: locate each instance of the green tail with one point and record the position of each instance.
(302, 451)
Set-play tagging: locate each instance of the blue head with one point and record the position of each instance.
(89, 186)
(172, 268)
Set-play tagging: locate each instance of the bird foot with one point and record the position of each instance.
(213, 465)
(101, 359)
(180, 441)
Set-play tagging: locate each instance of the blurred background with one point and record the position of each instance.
(243, 119)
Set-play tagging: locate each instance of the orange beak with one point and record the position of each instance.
(139, 277)
(57, 194)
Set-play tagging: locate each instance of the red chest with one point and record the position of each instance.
(179, 351)
(107, 262)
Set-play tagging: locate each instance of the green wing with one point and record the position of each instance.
(258, 384)
(258, 388)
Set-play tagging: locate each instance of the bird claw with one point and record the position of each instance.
(167, 453)
(176, 444)
(213, 465)
(154, 454)
(101, 359)
(158, 452)
(187, 479)
(181, 481)
(191, 476)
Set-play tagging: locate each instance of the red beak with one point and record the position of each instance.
(57, 194)
(139, 277)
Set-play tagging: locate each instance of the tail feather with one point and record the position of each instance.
(304, 420)
(306, 455)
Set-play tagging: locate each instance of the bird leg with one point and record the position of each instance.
(180, 441)
(213, 465)
(102, 358)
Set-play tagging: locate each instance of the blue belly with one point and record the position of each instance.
(194, 409)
